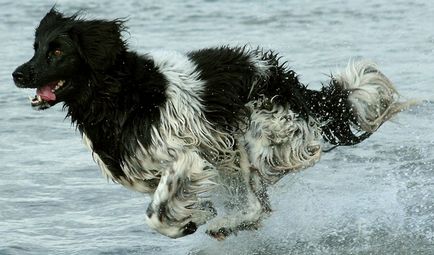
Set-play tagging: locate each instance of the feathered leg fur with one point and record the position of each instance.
(177, 209)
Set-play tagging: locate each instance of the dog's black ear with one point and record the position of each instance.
(50, 21)
(99, 42)
(54, 13)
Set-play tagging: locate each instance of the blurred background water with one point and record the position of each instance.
(374, 198)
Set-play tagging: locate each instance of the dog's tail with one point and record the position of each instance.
(355, 103)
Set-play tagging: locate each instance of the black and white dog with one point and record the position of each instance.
(184, 127)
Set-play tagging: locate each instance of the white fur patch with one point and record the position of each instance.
(262, 66)
(182, 116)
(278, 141)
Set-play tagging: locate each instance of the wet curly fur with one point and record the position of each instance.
(184, 127)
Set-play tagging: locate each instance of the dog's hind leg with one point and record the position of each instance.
(254, 207)
(279, 141)
(276, 141)
(179, 206)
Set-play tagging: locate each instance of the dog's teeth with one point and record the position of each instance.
(39, 98)
(60, 83)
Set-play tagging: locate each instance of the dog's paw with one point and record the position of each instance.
(219, 234)
(226, 226)
(203, 213)
(189, 228)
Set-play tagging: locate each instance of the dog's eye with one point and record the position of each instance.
(57, 52)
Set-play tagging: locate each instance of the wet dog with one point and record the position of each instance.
(183, 127)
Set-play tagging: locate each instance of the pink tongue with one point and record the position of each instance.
(45, 92)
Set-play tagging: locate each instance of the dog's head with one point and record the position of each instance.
(68, 52)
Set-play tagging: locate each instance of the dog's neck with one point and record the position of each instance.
(120, 103)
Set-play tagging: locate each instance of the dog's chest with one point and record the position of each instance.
(138, 169)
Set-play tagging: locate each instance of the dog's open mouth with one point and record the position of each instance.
(46, 95)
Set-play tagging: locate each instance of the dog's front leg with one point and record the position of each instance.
(179, 206)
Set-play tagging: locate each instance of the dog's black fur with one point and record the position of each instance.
(114, 95)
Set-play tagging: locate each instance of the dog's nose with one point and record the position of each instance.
(18, 76)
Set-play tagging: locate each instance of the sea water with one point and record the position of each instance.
(373, 198)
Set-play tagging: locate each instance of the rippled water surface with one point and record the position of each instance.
(375, 198)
